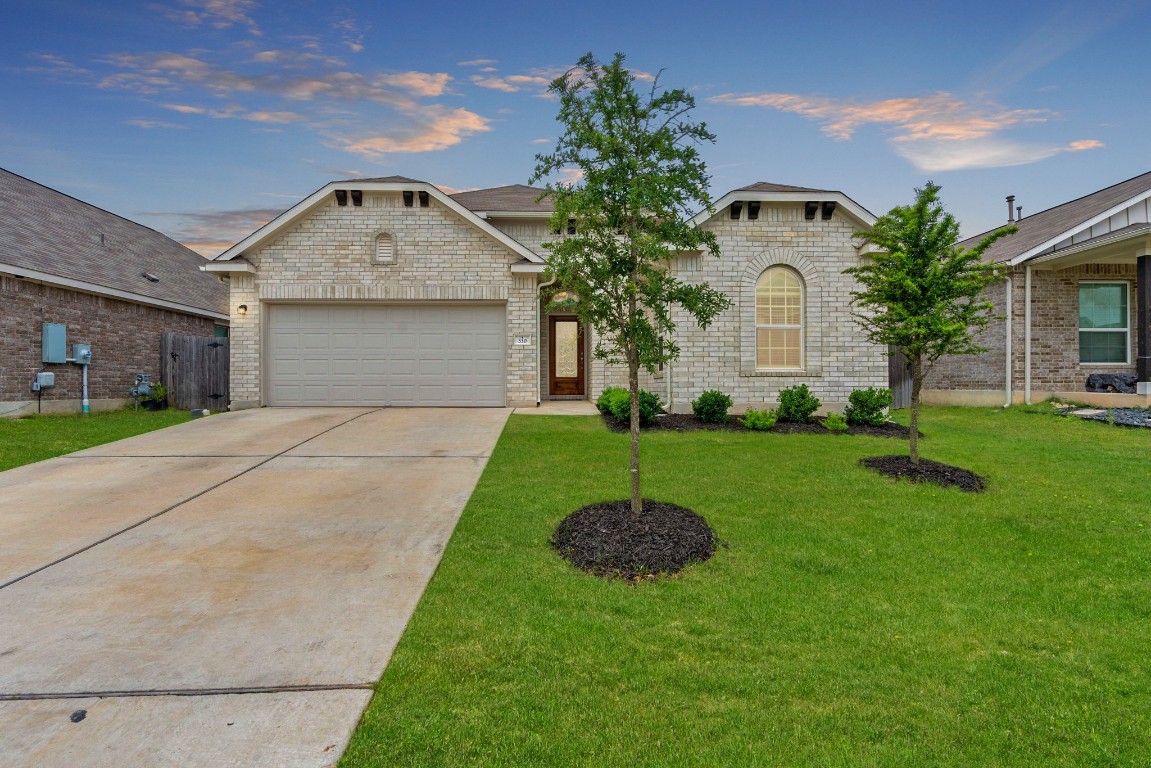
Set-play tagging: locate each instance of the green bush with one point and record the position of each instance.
(712, 406)
(619, 405)
(834, 423)
(605, 399)
(761, 421)
(796, 404)
(868, 406)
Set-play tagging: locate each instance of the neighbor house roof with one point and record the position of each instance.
(1041, 231)
(514, 198)
(48, 236)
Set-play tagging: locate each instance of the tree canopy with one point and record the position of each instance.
(638, 176)
(921, 292)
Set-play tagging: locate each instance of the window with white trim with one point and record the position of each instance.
(778, 320)
(1104, 329)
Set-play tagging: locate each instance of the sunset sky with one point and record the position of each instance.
(205, 118)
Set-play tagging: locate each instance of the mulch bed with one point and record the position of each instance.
(607, 540)
(927, 471)
(689, 422)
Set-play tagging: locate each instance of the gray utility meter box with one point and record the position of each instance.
(82, 353)
(45, 379)
(54, 343)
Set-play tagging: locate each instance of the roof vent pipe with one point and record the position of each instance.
(1019, 213)
(1011, 209)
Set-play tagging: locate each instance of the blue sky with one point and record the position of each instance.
(204, 118)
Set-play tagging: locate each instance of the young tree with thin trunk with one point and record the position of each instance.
(638, 175)
(921, 293)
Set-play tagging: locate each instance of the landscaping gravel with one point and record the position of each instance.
(1124, 417)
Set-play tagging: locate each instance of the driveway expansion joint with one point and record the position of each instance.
(129, 694)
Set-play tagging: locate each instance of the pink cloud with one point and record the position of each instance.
(438, 129)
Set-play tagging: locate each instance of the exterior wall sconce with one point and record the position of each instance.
(809, 209)
(736, 210)
(242, 310)
(408, 197)
(423, 199)
(828, 209)
(341, 197)
(752, 210)
(357, 197)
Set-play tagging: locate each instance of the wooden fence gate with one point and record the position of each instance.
(195, 371)
(898, 378)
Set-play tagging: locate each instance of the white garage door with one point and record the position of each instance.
(431, 355)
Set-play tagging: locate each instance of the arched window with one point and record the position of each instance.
(385, 249)
(778, 320)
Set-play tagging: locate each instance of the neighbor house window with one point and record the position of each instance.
(779, 319)
(1103, 328)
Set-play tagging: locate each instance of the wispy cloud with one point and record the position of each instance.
(937, 133)
(219, 14)
(511, 83)
(477, 63)
(437, 130)
(276, 82)
(142, 123)
(212, 232)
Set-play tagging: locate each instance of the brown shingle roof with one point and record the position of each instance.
(516, 198)
(1038, 228)
(47, 231)
(766, 186)
(386, 180)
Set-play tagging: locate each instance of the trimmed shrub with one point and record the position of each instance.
(712, 406)
(605, 399)
(649, 406)
(760, 421)
(868, 406)
(796, 404)
(834, 423)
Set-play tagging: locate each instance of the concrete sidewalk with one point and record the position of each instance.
(224, 592)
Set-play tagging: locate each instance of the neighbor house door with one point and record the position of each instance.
(566, 348)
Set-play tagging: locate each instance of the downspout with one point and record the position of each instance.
(1007, 345)
(1027, 337)
(539, 346)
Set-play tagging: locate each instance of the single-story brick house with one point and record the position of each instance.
(1077, 302)
(390, 291)
(112, 283)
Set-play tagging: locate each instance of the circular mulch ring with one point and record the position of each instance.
(927, 471)
(689, 422)
(607, 540)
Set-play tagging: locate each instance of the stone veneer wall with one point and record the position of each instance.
(125, 339)
(330, 256)
(1055, 365)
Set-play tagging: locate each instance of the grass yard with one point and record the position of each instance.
(850, 620)
(35, 438)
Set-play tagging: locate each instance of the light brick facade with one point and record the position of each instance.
(330, 256)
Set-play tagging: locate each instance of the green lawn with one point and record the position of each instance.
(35, 438)
(849, 621)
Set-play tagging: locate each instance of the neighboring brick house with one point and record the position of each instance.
(391, 292)
(114, 284)
(1077, 302)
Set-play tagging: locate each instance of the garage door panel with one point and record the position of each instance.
(410, 355)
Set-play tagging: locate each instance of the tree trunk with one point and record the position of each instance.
(916, 386)
(633, 385)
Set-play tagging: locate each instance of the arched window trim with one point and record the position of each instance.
(377, 240)
(813, 289)
(799, 327)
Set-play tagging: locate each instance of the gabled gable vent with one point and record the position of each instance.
(385, 249)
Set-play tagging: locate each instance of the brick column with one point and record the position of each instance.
(1143, 323)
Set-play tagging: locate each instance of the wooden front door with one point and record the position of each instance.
(566, 348)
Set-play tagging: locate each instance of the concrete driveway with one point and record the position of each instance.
(224, 592)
